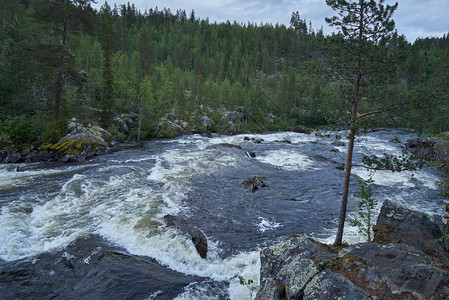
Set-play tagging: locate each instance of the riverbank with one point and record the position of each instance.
(80, 142)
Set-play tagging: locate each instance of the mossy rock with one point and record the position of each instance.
(73, 146)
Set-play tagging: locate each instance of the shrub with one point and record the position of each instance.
(55, 131)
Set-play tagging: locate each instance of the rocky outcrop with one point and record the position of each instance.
(81, 143)
(169, 127)
(434, 149)
(302, 129)
(126, 122)
(397, 224)
(445, 221)
(400, 267)
(206, 124)
(198, 238)
(234, 117)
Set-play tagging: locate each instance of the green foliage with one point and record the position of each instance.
(366, 207)
(116, 135)
(394, 163)
(21, 130)
(55, 131)
(250, 285)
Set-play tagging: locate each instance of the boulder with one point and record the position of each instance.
(198, 238)
(230, 128)
(234, 117)
(398, 224)
(302, 129)
(126, 122)
(402, 265)
(168, 128)
(79, 144)
(253, 183)
(206, 124)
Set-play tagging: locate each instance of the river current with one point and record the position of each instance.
(119, 201)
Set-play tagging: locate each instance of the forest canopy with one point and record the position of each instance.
(62, 59)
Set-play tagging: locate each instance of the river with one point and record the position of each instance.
(56, 218)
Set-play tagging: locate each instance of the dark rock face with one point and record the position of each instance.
(302, 129)
(198, 238)
(408, 264)
(397, 224)
(90, 268)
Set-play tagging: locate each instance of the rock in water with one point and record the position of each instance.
(253, 183)
(302, 129)
(198, 238)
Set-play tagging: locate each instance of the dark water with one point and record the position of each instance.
(96, 230)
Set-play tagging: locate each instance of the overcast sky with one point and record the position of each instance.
(414, 18)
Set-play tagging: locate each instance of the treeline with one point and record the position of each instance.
(61, 59)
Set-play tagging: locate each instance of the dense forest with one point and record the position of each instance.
(63, 59)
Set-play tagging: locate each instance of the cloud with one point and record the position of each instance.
(414, 18)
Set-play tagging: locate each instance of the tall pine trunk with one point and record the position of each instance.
(352, 133)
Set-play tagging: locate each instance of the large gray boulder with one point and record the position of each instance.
(398, 224)
(81, 143)
(404, 266)
(206, 124)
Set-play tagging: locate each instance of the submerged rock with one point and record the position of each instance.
(338, 165)
(198, 237)
(402, 267)
(90, 268)
(339, 143)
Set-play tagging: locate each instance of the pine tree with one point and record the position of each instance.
(362, 23)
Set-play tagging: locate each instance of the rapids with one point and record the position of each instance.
(118, 200)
